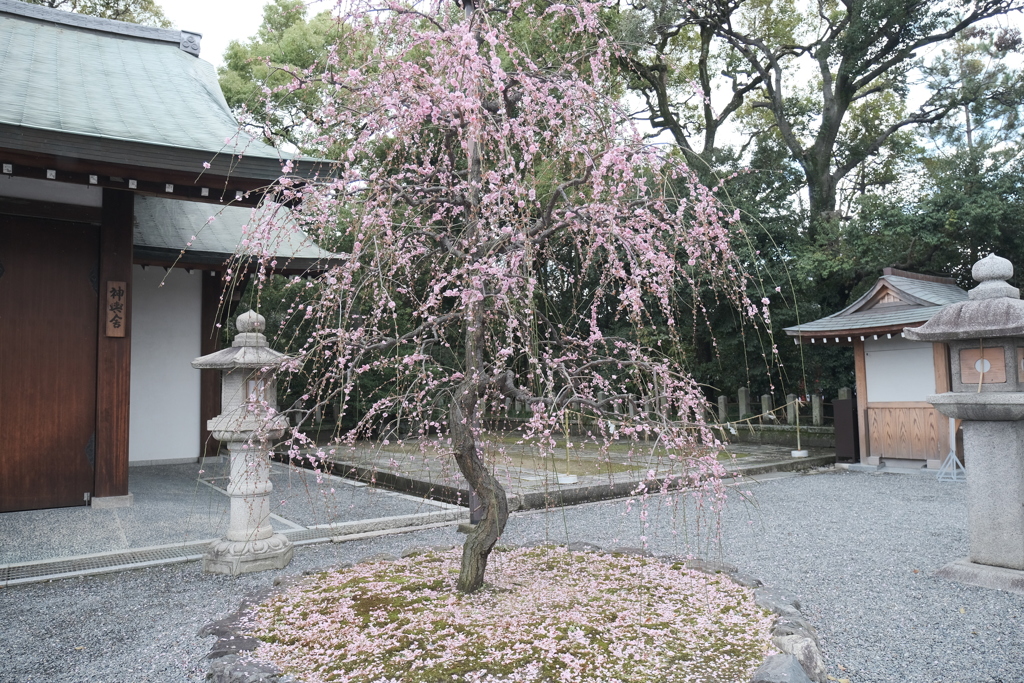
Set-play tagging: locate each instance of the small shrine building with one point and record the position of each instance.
(893, 374)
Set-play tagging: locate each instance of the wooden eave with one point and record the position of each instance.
(848, 337)
(151, 256)
(221, 189)
(193, 260)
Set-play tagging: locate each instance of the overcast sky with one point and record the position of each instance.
(220, 22)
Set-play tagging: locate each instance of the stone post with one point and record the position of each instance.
(766, 408)
(817, 415)
(985, 335)
(845, 394)
(743, 395)
(247, 427)
(723, 409)
(791, 408)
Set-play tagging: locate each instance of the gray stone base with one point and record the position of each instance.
(863, 467)
(904, 464)
(108, 502)
(986, 576)
(242, 557)
(168, 461)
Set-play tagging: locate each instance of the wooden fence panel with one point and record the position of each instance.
(914, 431)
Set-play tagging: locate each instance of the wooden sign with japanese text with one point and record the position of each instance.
(117, 308)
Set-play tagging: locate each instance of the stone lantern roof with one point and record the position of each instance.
(993, 309)
(249, 349)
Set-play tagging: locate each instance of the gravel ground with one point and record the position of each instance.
(858, 548)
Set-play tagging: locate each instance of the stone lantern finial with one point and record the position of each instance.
(992, 272)
(251, 321)
(250, 326)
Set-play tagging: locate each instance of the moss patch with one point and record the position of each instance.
(547, 614)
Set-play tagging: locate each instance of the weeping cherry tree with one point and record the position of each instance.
(506, 235)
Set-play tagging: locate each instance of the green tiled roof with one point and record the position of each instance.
(865, 320)
(120, 93)
(163, 227)
(937, 293)
(922, 299)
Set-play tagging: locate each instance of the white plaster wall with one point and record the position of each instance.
(50, 191)
(898, 369)
(166, 330)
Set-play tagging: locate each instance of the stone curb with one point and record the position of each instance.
(801, 660)
(228, 666)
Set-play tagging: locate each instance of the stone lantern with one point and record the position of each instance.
(985, 335)
(248, 423)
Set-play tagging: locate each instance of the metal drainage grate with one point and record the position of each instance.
(300, 535)
(32, 572)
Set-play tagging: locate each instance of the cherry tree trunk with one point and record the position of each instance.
(493, 502)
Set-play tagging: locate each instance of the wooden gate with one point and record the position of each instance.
(48, 329)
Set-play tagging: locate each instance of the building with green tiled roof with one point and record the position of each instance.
(125, 184)
(894, 374)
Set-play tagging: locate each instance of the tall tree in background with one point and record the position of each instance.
(736, 82)
(288, 48)
(963, 198)
(860, 51)
(833, 80)
(146, 12)
(692, 83)
(480, 191)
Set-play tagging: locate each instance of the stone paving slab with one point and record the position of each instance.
(432, 475)
(180, 504)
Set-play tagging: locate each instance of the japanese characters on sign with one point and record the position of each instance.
(117, 308)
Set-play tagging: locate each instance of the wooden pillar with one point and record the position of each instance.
(940, 356)
(209, 380)
(862, 398)
(113, 362)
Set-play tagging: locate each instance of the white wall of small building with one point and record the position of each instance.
(166, 331)
(898, 369)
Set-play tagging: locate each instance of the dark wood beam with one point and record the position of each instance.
(113, 365)
(31, 208)
(209, 380)
(151, 181)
